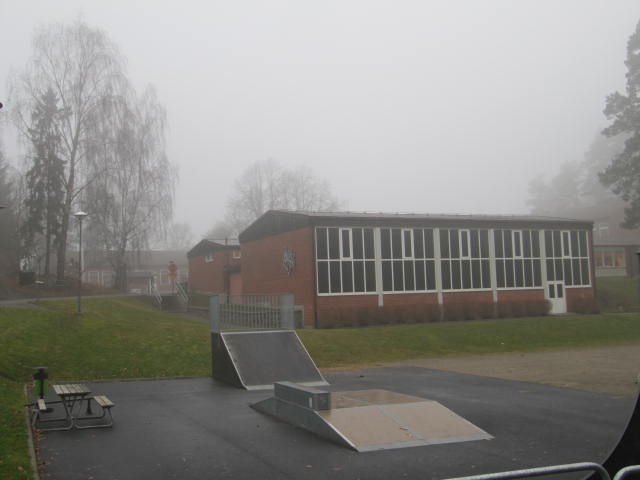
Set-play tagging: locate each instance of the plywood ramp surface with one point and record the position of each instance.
(379, 419)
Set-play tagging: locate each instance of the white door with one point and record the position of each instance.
(555, 294)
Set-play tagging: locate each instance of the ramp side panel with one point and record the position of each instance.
(263, 358)
(301, 417)
(224, 369)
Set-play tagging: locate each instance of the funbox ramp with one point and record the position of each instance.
(255, 360)
(368, 420)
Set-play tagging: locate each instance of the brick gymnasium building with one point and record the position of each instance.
(349, 269)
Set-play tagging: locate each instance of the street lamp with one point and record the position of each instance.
(80, 216)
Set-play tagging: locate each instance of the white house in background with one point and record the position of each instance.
(615, 248)
(144, 269)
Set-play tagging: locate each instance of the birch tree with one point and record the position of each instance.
(84, 69)
(131, 195)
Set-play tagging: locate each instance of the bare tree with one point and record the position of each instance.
(267, 185)
(179, 237)
(221, 230)
(577, 184)
(131, 193)
(83, 67)
(560, 194)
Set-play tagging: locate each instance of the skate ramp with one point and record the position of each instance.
(368, 420)
(255, 360)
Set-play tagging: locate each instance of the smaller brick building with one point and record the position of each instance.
(214, 267)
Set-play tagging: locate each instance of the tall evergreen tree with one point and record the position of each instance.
(8, 234)
(623, 174)
(45, 178)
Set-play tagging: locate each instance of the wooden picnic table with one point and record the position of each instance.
(70, 394)
(71, 390)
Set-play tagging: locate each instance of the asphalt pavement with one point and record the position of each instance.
(200, 429)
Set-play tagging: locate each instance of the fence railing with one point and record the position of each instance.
(552, 470)
(183, 298)
(153, 291)
(251, 312)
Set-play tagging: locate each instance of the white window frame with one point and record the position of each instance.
(566, 247)
(237, 254)
(208, 258)
(350, 235)
(402, 239)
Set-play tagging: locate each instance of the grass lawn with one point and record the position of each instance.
(115, 338)
(123, 338)
(352, 346)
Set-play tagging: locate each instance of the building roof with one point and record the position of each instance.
(274, 222)
(210, 245)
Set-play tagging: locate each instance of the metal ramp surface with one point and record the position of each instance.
(255, 360)
(368, 420)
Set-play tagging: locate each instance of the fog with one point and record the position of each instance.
(425, 106)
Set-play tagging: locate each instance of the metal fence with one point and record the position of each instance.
(555, 469)
(251, 312)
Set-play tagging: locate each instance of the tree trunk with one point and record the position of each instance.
(47, 248)
(64, 228)
(62, 247)
(121, 274)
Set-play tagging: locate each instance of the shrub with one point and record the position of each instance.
(583, 305)
(504, 309)
(485, 310)
(453, 312)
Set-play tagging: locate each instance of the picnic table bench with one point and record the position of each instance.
(71, 397)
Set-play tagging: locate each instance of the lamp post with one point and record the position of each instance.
(80, 216)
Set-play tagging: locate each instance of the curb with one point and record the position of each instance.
(32, 449)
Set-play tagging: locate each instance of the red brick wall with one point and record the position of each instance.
(520, 295)
(263, 272)
(343, 301)
(208, 277)
(466, 297)
(580, 300)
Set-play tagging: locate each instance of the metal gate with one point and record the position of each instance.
(251, 312)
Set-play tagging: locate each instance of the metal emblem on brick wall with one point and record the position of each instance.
(289, 260)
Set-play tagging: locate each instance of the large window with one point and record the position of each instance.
(345, 260)
(517, 258)
(610, 259)
(567, 256)
(407, 256)
(349, 259)
(464, 259)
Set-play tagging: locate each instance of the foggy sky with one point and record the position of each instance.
(424, 106)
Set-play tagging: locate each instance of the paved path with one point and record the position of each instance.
(613, 369)
(196, 428)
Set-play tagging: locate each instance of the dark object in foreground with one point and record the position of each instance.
(627, 451)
